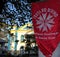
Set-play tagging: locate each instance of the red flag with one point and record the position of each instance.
(46, 22)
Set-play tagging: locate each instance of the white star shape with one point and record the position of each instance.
(45, 22)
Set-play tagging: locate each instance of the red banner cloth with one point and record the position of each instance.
(46, 22)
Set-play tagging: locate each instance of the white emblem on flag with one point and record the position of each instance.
(45, 22)
(45, 19)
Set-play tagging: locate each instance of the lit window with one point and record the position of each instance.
(22, 38)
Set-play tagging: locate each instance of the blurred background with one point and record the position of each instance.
(16, 29)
